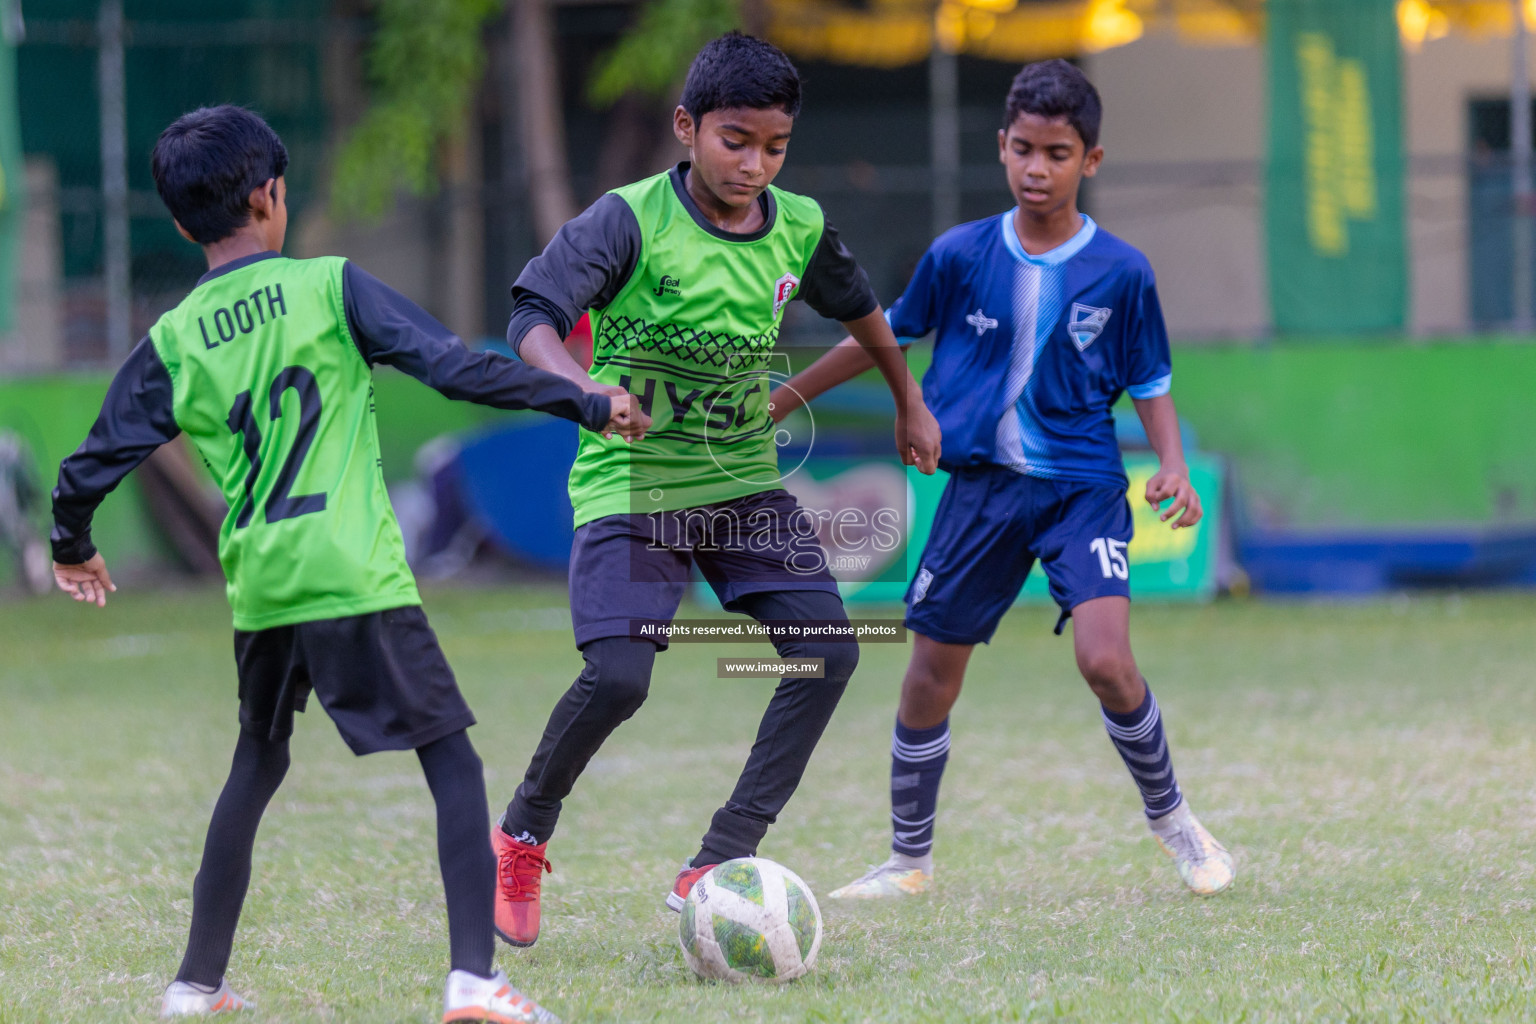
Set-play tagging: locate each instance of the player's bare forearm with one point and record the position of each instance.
(874, 337)
(87, 581)
(917, 432)
(543, 347)
(1161, 421)
(843, 362)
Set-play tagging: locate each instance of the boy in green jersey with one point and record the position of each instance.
(266, 366)
(686, 276)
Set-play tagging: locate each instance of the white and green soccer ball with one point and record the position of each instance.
(750, 920)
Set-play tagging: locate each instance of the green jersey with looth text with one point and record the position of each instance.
(267, 368)
(270, 387)
(685, 316)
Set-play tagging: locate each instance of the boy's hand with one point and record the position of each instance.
(918, 437)
(628, 418)
(1173, 482)
(88, 581)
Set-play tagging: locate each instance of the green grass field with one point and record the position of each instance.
(1371, 766)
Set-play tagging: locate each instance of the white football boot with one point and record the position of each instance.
(1203, 863)
(900, 875)
(184, 999)
(470, 997)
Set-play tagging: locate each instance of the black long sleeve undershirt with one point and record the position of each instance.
(136, 418)
(391, 329)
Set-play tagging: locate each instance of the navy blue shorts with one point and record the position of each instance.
(633, 568)
(991, 525)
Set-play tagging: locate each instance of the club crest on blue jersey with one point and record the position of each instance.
(980, 321)
(1086, 324)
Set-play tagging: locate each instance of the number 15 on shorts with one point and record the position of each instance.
(1111, 557)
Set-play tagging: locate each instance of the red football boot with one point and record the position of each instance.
(684, 884)
(520, 869)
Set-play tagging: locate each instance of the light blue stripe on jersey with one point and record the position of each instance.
(900, 340)
(1152, 389)
(1037, 302)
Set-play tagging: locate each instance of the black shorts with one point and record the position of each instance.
(381, 677)
(633, 568)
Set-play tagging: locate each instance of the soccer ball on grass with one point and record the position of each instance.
(750, 920)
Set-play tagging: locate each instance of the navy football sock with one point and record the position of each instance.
(1138, 735)
(917, 764)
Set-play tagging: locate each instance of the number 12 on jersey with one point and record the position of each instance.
(242, 420)
(1111, 557)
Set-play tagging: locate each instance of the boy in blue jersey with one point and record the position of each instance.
(1041, 320)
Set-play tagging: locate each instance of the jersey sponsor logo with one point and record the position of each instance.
(668, 285)
(1086, 324)
(920, 585)
(244, 316)
(981, 322)
(783, 288)
(696, 412)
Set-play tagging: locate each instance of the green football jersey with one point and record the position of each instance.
(271, 388)
(691, 330)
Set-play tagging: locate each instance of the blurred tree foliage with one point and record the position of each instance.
(424, 64)
(426, 60)
(655, 53)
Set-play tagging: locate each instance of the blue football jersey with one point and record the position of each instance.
(1032, 352)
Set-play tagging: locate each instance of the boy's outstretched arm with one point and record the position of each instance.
(587, 263)
(917, 432)
(136, 417)
(870, 345)
(391, 329)
(873, 344)
(1161, 421)
(841, 363)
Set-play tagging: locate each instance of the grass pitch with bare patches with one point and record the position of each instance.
(1371, 766)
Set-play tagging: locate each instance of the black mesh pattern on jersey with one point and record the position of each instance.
(619, 334)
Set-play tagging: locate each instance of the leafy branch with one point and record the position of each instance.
(654, 54)
(424, 64)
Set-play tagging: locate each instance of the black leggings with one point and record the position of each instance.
(457, 781)
(614, 684)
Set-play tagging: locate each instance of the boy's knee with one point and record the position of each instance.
(281, 759)
(1109, 671)
(927, 686)
(619, 672)
(838, 660)
(624, 688)
(267, 759)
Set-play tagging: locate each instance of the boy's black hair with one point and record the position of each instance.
(1055, 88)
(208, 162)
(737, 70)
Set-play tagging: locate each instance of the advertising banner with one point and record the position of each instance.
(1164, 564)
(1334, 201)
